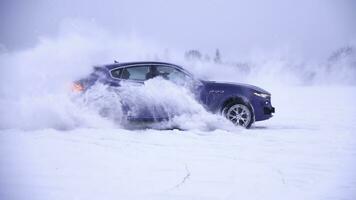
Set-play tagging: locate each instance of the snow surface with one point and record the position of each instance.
(306, 151)
(54, 145)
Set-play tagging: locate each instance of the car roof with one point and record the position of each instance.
(118, 65)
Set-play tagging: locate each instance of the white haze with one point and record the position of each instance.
(35, 83)
(240, 28)
(303, 52)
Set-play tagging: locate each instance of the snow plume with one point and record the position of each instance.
(159, 96)
(171, 105)
(35, 85)
(35, 82)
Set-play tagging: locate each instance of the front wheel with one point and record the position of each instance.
(239, 114)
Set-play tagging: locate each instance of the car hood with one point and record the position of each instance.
(231, 85)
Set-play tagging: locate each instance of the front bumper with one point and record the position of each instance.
(263, 108)
(268, 110)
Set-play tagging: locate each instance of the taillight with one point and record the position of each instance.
(77, 87)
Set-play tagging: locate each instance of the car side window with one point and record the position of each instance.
(172, 74)
(135, 73)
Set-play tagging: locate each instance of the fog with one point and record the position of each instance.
(58, 144)
(310, 43)
(311, 29)
(46, 45)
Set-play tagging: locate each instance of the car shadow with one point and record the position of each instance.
(286, 127)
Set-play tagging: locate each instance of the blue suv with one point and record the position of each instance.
(242, 104)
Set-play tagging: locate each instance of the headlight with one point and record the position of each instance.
(261, 95)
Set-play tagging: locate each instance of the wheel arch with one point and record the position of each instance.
(237, 99)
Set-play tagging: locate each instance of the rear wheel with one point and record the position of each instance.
(239, 114)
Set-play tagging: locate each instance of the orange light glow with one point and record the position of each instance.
(77, 87)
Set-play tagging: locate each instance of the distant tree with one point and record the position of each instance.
(217, 58)
(166, 54)
(3, 48)
(342, 53)
(207, 58)
(193, 55)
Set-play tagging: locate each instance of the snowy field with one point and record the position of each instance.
(57, 145)
(306, 151)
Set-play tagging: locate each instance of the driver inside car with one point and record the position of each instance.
(153, 72)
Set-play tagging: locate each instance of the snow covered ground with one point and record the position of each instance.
(307, 151)
(56, 146)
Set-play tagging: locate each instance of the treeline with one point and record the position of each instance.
(196, 55)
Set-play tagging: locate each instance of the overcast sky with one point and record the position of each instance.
(310, 27)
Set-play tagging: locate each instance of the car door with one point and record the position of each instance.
(132, 78)
(182, 78)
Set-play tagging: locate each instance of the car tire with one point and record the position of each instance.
(240, 114)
